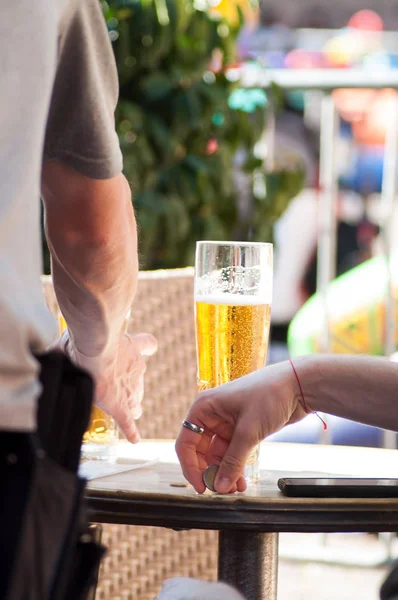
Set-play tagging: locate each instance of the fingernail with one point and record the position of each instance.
(222, 485)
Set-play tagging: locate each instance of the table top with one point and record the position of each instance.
(158, 495)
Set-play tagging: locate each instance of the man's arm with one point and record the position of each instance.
(90, 222)
(91, 232)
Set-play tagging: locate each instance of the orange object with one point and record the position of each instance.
(369, 111)
(353, 105)
(372, 129)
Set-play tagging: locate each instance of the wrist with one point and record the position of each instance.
(96, 364)
(302, 399)
(95, 343)
(95, 353)
(307, 370)
(94, 331)
(298, 393)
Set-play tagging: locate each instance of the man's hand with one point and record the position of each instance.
(119, 378)
(236, 417)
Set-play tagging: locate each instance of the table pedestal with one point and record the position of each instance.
(249, 562)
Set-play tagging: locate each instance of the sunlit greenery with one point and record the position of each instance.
(181, 123)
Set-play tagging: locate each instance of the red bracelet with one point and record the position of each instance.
(302, 401)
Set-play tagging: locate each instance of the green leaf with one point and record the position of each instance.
(160, 135)
(171, 105)
(195, 163)
(177, 218)
(157, 85)
(162, 12)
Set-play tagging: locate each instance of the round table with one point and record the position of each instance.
(248, 523)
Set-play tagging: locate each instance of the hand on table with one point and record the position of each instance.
(119, 377)
(236, 417)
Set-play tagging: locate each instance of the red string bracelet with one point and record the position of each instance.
(302, 401)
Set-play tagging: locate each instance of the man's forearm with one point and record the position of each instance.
(92, 236)
(360, 388)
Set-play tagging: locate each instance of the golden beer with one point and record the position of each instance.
(232, 341)
(102, 429)
(232, 338)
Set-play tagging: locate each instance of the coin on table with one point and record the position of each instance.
(209, 476)
(179, 484)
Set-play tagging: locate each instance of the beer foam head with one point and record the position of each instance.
(239, 285)
(233, 299)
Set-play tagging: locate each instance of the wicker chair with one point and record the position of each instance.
(139, 559)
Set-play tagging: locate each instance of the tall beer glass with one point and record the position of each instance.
(233, 296)
(101, 437)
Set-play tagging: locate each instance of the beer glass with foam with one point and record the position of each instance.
(233, 297)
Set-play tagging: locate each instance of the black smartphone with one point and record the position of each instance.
(338, 487)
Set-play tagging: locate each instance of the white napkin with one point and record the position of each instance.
(97, 469)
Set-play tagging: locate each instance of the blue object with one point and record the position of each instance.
(247, 100)
(365, 174)
(296, 100)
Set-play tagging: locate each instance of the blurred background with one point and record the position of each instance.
(271, 121)
(211, 156)
(275, 121)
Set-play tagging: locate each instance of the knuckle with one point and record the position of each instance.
(232, 463)
(200, 399)
(204, 399)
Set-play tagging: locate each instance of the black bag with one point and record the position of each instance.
(47, 551)
(389, 589)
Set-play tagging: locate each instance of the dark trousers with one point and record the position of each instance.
(16, 468)
(46, 552)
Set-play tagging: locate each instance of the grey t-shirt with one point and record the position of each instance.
(59, 91)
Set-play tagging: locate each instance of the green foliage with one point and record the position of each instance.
(181, 123)
(180, 127)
